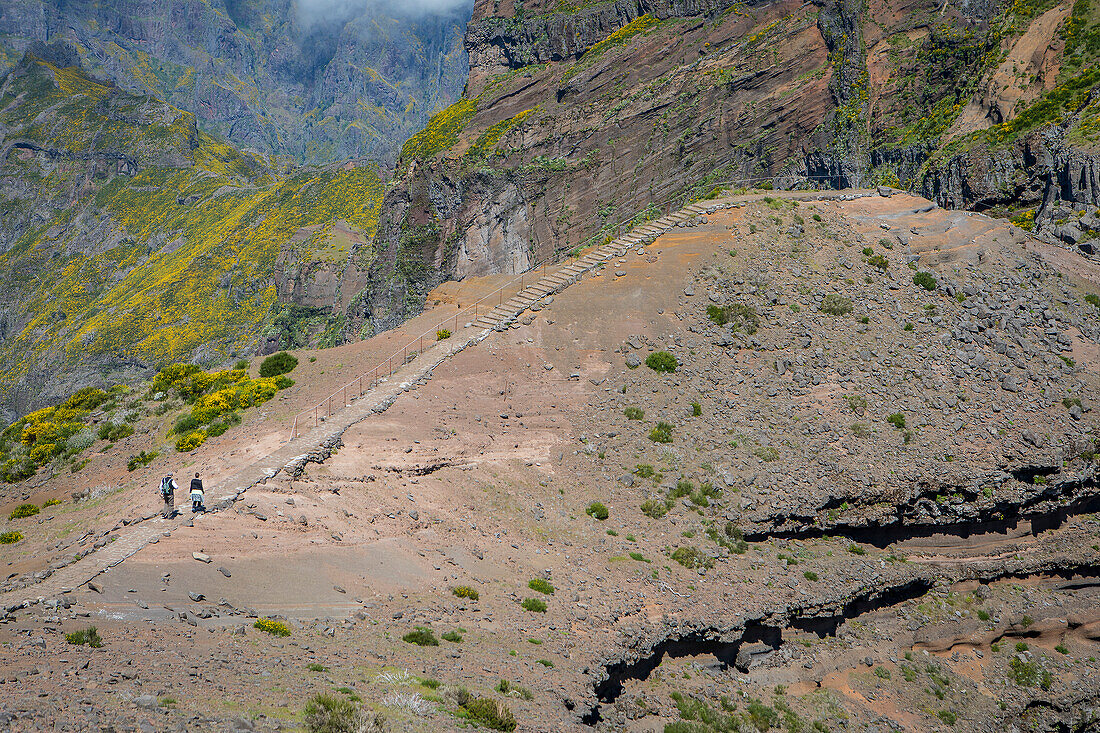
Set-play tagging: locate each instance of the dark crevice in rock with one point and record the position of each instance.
(1074, 497)
(765, 634)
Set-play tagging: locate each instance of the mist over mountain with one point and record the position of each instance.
(318, 80)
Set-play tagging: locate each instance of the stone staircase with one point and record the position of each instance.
(564, 275)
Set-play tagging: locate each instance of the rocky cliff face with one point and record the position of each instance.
(577, 118)
(321, 87)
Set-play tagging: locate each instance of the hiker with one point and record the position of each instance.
(197, 495)
(168, 488)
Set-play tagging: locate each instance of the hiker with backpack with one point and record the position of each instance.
(168, 488)
(197, 495)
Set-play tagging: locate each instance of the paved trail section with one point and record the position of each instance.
(318, 443)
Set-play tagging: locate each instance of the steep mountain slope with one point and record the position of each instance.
(348, 80)
(129, 238)
(579, 116)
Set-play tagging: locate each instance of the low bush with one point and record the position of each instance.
(141, 459)
(315, 667)
(10, 537)
(644, 470)
(661, 433)
(598, 510)
(421, 636)
(654, 508)
(742, 317)
(766, 453)
(856, 549)
(925, 280)
(465, 591)
(661, 361)
(897, 420)
(452, 636)
(24, 510)
(191, 441)
(89, 636)
(811, 576)
(696, 409)
(490, 713)
(836, 305)
(542, 586)
(111, 432)
(270, 626)
(331, 714)
(1093, 300)
(692, 557)
(442, 334)
(534, 604)
(634, 413)
(277, 364)
(513, 690)
(878, 261)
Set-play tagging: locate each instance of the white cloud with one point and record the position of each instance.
(312, 11)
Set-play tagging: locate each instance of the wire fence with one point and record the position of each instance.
(354, 389)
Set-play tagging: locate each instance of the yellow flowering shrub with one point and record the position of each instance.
(191, 441)
(442, 131)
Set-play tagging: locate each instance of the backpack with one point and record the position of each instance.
(166, 486)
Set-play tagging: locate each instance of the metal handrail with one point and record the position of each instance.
(388, 365)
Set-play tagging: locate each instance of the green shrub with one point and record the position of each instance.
(111, 432)
(442, 334)
(534, 604)
(277, 364)
(421, 636)
(545, 663)
(331, 714)
(452, 636)
(185, 424)
(89, 636)
(504, 687)
(948, 717)
(983, 614)
(644, 470)
(24, 510)
(141, 459)
(639, 557)
(1062, 649)
(743, 317)
(10, 537)
(634, 413)
(191, 441)
(766, 453)
(662, 433)
(1093, 300)
(696, 409)
(856, 549)
(836, 305)
(490, 713)
(692, 557)
(465, 591)
(882, 673)
(315, 667)
(598, 510)
(925, 280)
(661, 361)
(271, 626)
(50, 502)
(430, 683)
(878, 261)
(654, 508)
(897, 420)
(542, 586)
(810, 575)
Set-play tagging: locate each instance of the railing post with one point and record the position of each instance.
(345, 395)
(294, 429)
(330, 405)
(360, 386)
